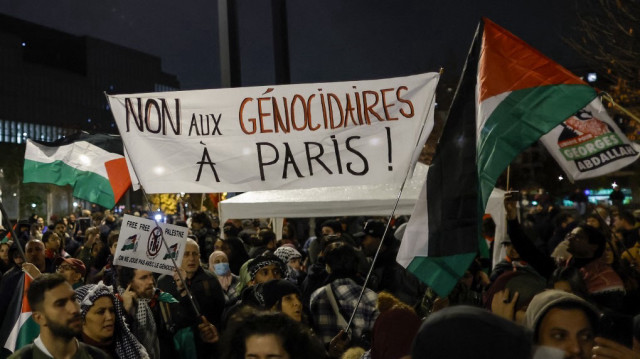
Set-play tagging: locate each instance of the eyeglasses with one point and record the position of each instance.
(64, 267)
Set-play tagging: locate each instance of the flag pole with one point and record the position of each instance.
(393, 211)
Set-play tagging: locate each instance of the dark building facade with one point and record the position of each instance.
(53, 83)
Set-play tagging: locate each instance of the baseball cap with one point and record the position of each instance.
(373, 228)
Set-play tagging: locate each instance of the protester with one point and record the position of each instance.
(394, 329)
(510, 295)
(72, 269)
(219, 263)
(94, 253)
(206, 235)
(463, 332)
(103, 323)
(269, 335)
(235, 251)
(56, 311)
(144, 305)
(586, 245)
(53, 246)
(330, 230)
(510, 262)
(617, 197)
(625, 226)
(277, 295)
(206, 293)
(265, 268)
(332, 304)
(388, 275)
(564, 321)
(5, 261)
(291, 257)
(264, 241)
(69, 244)
(36, 231)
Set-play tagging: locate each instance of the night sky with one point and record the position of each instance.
(329, 40)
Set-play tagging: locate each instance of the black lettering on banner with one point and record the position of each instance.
(605, 157)
(206, 160)
(194, 124)
(261, 164)
(288, 159)
(316, 157)
(153, 111)
(336, 150)
(216, 124)
(353, 150)
(205, 127)
(147, 119)
(204, 120)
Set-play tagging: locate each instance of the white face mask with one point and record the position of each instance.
(221, 268)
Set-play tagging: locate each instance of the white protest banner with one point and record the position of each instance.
(276, 137)
(589, 144)
(140, 245)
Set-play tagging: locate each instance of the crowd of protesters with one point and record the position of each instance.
(567, 287)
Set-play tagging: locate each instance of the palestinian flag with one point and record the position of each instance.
(92, 164)
(130, 243)
(19, 328)
(509, 95)
(172, 253)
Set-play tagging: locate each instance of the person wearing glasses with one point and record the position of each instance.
(72, 269)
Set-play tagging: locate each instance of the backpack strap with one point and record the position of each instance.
(334, 304)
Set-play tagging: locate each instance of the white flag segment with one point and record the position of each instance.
(590, 144)
(276, 137)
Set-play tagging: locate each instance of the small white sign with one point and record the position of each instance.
(140, 245)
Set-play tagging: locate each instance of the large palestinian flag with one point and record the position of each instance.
(18, 328)
(509, 95)
(92, 164)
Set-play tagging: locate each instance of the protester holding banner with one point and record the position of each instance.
(155, 317)
(206, 292)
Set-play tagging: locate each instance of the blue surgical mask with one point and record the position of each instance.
(221, 268)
